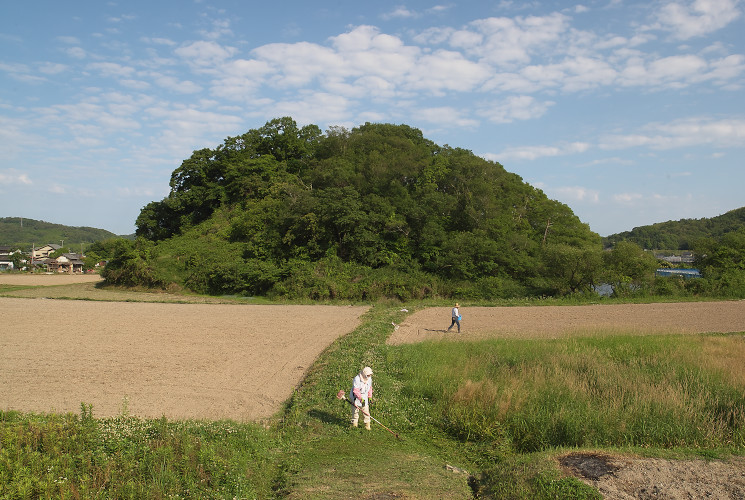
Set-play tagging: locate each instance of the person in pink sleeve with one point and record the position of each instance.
(361, 394)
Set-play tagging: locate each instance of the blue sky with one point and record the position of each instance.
(629, 112)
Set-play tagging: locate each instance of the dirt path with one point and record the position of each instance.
(178, 360)
(557, 321)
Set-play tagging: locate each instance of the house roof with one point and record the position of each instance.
(53, 246)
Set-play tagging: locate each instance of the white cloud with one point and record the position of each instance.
(76, 52)
(220, 27)
(514, 108)
(205, 53)
(446, 71)
(438, 35)
(12, 176)
(158, 41)
(299, 64)
(439, 9)
(52, 68)
(240, 79)
(176, 85)
(536, 152)
(681, 71)
(109, 69)
(444, 115)
(682, 133)
(514, 40)
(727, 69)
(400, 12)
(575, 194)
(315, 107)
(688, 19)
(184, 129)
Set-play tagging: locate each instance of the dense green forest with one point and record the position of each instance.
(681, 234)
(376, 211)
(23, 233)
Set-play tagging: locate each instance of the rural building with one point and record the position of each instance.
(683, 273)
(5, 263)
(66, 263)
(6, 258)
(44, 251)
(683, 258)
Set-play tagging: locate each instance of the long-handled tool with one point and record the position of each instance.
(343, 395)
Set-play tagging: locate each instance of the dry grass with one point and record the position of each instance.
(680, 390)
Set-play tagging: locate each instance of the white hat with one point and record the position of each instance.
(366, 371)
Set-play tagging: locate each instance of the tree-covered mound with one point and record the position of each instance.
(376, 211)
(681, 234)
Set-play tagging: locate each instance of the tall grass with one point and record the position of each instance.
(71, 456)
(656, 391)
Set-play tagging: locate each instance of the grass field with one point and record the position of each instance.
(490, 418)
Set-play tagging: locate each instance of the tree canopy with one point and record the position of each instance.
(681, 234)
(376, 210)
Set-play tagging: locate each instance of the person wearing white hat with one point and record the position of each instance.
(361, 394)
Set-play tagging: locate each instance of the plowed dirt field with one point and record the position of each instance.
(210, 361)
(558, 321)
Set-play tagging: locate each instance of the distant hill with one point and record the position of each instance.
(22, 233)
(680, 235)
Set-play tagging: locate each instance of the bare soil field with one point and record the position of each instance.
(202, 361)
(48, 279)
(88, 287)
(559, 321)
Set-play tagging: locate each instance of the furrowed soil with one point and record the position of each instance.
(216, 359)
(153, 359)
(562, 321)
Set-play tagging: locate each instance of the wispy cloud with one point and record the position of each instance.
(576, 194)
(12, 176)
(688, 19)
(514, 108)
(400, 12)
(537, 152)
(681, 133)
